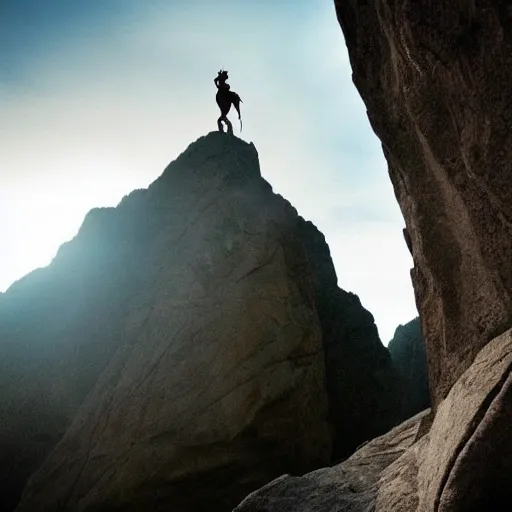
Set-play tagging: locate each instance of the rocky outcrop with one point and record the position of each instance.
(463, 464)
(363, 388)
(466, 461)
(351, 486)
(407, 352)
(176, 349)
(434, 77)
(59, 326)
(435, 80)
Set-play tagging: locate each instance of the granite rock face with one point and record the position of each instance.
(363, 387)
(435, 79)
(462, 464)
(407, 352)
(466, 461)
(351, 486)
(217, 380)
(203, 313)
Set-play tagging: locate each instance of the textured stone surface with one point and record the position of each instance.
(466, 465)
(463, 464)
(351, 486)
(218, 381)
(203, 311)
(407, 352)
(435, 78)
(363, 387)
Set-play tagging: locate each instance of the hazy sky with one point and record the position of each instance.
(98, 96)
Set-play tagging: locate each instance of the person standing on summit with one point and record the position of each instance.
(225, 98)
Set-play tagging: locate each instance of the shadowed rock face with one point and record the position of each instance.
(351, 486)
(362, 386)
(59, 326)
(463, 464)
(177, 349)
(435, 78)
(409, 359)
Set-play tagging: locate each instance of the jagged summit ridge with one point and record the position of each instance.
(212, 157)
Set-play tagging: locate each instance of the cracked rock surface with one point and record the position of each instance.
(351, 486)
(223, 309)
(435, 78)
(463, 464)
(219, 379)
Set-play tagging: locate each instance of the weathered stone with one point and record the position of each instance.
(409, 359)
(463, 464)
(435, 78)
(218, 382)
(351, 486)
(466, 464)
(213, 310)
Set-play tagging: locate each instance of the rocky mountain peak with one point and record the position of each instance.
(184, 348)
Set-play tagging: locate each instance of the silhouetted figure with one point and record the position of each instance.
(225, 98)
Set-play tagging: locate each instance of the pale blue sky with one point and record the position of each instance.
(97, 97)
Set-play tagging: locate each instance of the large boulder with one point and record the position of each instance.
(215, 378)
(178, 353)
(351, 486)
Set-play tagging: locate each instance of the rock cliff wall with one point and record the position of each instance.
(435, 79)
(462, 464)
(407, 352)
(363, 387)
(176, 350)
